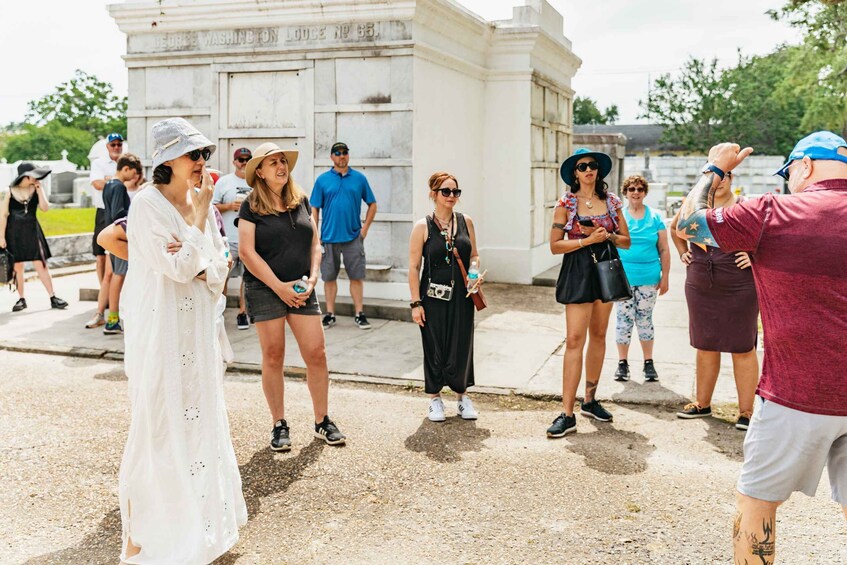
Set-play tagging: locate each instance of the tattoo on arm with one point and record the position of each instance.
(559, 227)
(692, 226)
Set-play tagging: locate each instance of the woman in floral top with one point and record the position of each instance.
(586, 222)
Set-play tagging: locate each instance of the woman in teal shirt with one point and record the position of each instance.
(647, 263)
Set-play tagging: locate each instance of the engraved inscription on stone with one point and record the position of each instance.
(285, 36)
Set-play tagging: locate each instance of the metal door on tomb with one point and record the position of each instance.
(260, 102)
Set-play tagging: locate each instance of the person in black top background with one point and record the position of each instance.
(116, 205)
(21, 233)
(281, 251)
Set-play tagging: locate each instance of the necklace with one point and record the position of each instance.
(25, 202)
(446, 233)
(588, 200)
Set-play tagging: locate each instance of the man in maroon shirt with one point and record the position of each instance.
(798, 245)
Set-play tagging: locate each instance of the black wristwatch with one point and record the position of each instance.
(415, 304)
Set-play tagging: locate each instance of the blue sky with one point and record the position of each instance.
(622, 43)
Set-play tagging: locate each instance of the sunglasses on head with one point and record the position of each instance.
(195, 154)
(340, 153)
(445, 192)
(243, 159)
(636, 189)
(582, 167)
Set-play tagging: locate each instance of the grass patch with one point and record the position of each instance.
(67, 221)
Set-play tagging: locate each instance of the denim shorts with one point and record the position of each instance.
(264, 304)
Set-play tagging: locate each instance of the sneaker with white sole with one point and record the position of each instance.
(465, 408)
(436, 410)
(99, 319)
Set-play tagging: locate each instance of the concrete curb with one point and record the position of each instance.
(252, 372)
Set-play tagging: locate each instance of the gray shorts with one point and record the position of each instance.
(264, 304)
(119, 266)
(786, 450)
(353, 253)
(237, 269)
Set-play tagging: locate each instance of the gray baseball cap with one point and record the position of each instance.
(175, 137)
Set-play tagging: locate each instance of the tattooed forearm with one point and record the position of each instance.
(692, 225)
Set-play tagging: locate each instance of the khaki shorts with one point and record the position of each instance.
(786, 450)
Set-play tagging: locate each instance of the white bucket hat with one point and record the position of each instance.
(175, 137)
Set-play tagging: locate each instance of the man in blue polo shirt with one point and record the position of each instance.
(339, 192)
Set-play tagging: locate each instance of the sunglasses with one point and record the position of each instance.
(582, 167)
(636, 189)
(116, 144)
(243, 159)
(197, 153)
(340, 153)
(445, 192)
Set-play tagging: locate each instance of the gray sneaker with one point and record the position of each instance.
(594, 410)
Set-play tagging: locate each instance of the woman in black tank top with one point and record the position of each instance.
(440, 305)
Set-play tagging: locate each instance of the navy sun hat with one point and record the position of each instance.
(567, 168)
(29, 170)
(818, 146)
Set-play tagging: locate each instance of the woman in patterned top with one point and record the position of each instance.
(588, 215)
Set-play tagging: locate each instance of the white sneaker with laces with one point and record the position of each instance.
(465, 408)
(436, 410)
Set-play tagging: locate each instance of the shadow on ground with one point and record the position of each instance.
(445, 441)
(721, 434)
(262, 476)
(612, 451)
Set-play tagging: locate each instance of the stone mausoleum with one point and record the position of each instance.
(412, 86)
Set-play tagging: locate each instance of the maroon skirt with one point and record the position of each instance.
(723, 308)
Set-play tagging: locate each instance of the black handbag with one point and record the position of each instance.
(614, 286)
(7, 266)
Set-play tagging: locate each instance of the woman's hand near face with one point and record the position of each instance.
(742, 260)
(419, 316)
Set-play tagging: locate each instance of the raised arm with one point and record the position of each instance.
(43, 203)
(691, 224)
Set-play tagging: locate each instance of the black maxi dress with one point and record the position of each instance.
(447, 333)
(24, 237)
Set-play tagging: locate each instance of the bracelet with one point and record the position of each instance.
(714, 168)
(415, 304)
(580, 242)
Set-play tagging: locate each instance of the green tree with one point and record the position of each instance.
(822, 75)
(585, 111)
(84, 102)
(47, 142)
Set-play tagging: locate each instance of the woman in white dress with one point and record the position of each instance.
(180, 489)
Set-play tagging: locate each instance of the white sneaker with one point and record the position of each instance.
(436, 410)
(465, 408)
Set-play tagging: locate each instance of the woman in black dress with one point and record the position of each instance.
(723, 315)
(587, 223)
(440, 305)
(21, 233)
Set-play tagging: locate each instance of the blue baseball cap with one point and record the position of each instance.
(819, 146)
(114, 137)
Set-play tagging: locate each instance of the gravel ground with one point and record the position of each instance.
(645, 489)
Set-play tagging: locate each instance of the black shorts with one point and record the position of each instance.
(264, 304)
(100, 224)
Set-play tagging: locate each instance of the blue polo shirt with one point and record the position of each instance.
(340, 200)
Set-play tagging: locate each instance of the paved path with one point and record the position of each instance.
(518, 343)
(647, 489)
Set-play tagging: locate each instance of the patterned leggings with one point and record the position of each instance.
(637, 311)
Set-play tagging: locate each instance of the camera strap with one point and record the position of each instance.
(449, 242)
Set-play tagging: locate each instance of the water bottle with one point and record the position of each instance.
(226, 247)
(301, 285)
(473, 275)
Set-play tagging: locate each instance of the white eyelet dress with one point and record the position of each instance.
(180, 488)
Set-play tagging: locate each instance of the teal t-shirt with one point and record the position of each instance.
(641, 261)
